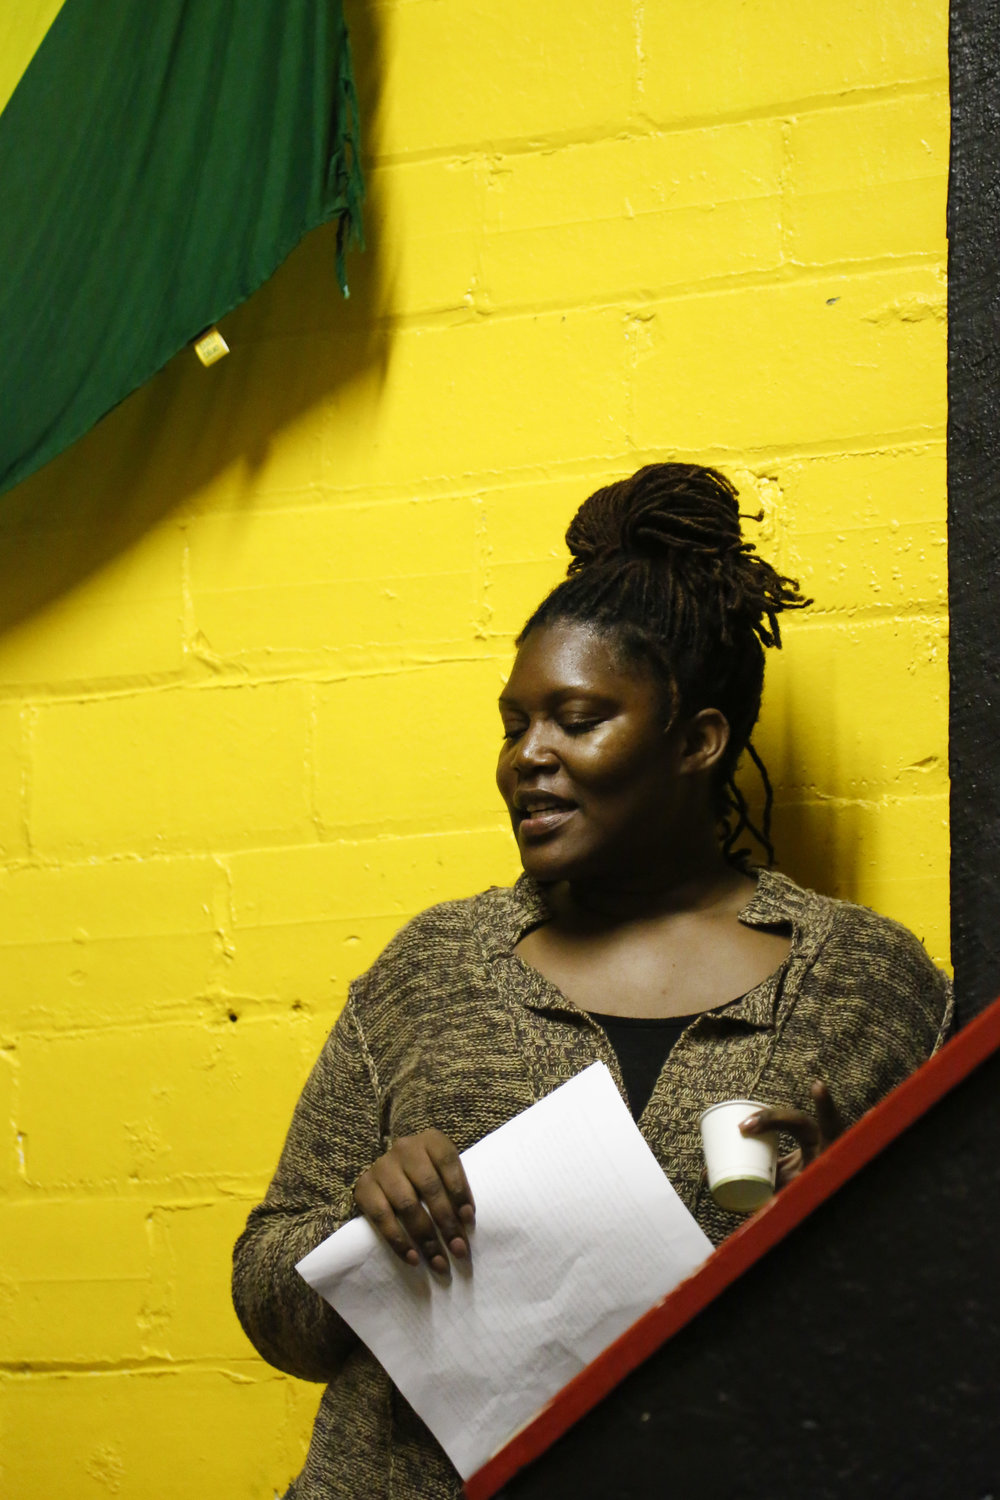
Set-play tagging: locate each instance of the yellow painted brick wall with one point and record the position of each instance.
(253, 625)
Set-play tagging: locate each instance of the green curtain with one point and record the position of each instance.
(158, 161)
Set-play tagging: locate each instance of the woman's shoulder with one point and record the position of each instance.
(851, 935)
(453, 937)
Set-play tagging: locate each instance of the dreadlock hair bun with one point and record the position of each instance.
(663, 509)
(686, 519)
(659, 566)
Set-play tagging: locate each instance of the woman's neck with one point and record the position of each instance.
(700, 886)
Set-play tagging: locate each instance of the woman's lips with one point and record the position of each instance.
(542, 821)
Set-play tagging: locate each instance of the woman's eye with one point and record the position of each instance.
(580, 726)
(512, 732)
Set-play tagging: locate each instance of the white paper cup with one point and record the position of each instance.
(741, 1168)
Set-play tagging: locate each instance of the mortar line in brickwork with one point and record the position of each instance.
(138, 1190)
(303, 674)
(311, 768)
(372, 833)
(785, 235)
(28, 720)
(55, 864)
(812, 797)
(447, 487)
(641, 126)
(223, 913)
(153, 1365)
(477, 293)
(188, 618)
(102, 690)
(638, 43)
(633, 326)
(788, 273)
(483, 618)
(816, 618)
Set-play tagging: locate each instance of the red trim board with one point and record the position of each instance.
(855, 1148)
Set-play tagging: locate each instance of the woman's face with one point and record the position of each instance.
(591, 776)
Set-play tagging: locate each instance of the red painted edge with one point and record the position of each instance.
(855, 1148)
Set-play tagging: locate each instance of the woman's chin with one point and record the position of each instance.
(548, 862)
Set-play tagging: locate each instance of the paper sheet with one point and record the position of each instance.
(578, 1233)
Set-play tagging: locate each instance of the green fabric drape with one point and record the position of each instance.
(158, 161)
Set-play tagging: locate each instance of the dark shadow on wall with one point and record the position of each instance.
(817, 838)
(294, 343)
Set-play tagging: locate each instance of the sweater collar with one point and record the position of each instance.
(776, 902)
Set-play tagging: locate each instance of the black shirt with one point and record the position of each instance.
(642, 1045)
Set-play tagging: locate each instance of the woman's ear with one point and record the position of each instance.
(704, 740)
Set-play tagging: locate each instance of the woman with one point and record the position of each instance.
(638, 935)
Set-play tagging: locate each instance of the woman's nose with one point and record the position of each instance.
(534, 749)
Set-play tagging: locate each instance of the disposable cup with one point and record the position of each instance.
(741, 1168)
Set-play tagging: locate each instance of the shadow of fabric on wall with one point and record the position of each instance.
(295, 343)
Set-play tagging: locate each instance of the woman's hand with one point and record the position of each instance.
(813, 1132)
(418, 1199)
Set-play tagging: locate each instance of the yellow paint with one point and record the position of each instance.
(252, 626)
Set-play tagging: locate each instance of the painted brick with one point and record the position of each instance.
(274, 378)
(389, 877)
(304, 964)
(890, 853)
(9, 1165)
(767, 53)
(866, 530)
(526, 519)
(252, 1445)
(98, 942)
(438, 727)
(132, 606)
(886, 487)
(176, 1103)
(428, 218)
(870, 568)
(13, 765)
(158, 771)
(290, 943)
(312, 583)
(77, 1278)
(823, 361)
(633, 216)
(515, 590)
(192, 1247)
(463, 73)
(858, 709)
(481, 397)
(867, 182)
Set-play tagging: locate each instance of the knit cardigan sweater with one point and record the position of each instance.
(450, 1028)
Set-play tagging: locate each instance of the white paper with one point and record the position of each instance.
(578, 1233)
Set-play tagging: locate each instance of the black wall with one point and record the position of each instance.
(974, 499)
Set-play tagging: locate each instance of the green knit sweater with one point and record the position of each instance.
(449, 1028)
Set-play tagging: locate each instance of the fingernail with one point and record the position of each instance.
(750, 1124)
(439, 1264)
(412, 1258)
(458, 1248)
(467, 1213)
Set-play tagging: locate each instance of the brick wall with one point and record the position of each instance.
(254, 624)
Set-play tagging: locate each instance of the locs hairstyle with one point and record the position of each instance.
(659, 568)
